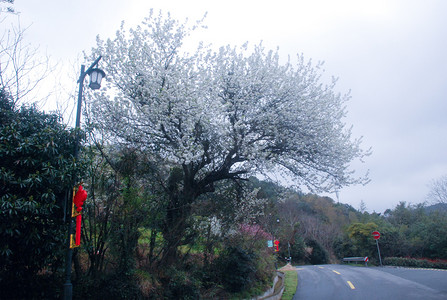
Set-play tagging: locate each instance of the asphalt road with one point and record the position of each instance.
(349, 282)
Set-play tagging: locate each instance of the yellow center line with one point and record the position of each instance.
(321, 267)
(351, 285)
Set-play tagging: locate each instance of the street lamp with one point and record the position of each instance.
(96, 75)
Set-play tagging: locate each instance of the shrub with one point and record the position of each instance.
(36, 172)
(181, 285)
(415, 262)
(110, 286)
(236, 268)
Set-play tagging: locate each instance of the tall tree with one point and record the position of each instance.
(213, 116)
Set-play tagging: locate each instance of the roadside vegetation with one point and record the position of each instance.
(416, 262)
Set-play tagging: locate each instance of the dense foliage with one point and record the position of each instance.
(236, 266)
(36, 172)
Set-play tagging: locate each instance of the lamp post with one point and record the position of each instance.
(96, 75)
(277, 243)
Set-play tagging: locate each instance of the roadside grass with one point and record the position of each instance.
(290, 284)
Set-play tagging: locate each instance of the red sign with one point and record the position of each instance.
(376, 235)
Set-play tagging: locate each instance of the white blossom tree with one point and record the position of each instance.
(212, 116)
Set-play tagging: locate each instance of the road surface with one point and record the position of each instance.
(365, 283)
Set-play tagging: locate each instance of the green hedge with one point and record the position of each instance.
(415, 262)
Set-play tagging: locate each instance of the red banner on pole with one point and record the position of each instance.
(78, 230)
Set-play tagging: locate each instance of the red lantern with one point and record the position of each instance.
(276, 242)
(79, 198)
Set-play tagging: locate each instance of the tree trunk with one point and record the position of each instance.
(175, 226)
(152, 246)
(174, 230)
(180, 197)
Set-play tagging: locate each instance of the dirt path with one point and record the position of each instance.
(287, 267)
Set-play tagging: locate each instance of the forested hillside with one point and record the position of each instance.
(320, 230)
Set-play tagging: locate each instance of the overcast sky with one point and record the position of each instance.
(391, 54)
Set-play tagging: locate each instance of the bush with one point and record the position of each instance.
(181, 285)
(36, 172)
(415, 262)
(236, 268)
(42, 286)
(110, 286)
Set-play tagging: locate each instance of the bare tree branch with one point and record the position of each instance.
(22, 67)
(438, 190)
